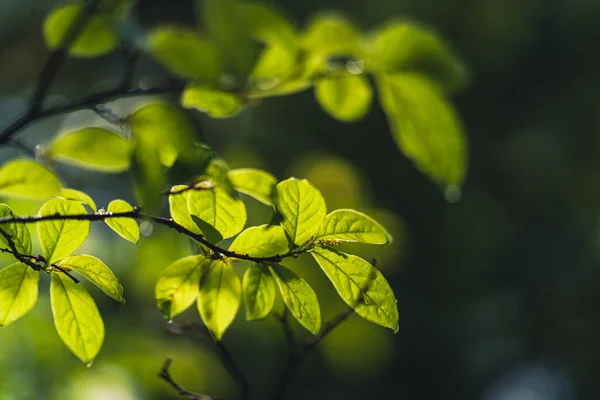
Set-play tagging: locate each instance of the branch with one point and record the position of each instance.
(25, 259)
(166, 376)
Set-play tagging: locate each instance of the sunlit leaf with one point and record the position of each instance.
(98, 37)
(219, 297)
(347, 98)
(96, 272)
(96, 149)
(259, 292)
(148, 176)
(214, 102)
(352, 226)
(302, 207)
(18, 292)
(178, 207)
(59, 238)
(178, 285)
(265, 24)
(360, 285)
(126, 227)
(261, 241)
(72, 194)
(255, 183)
(274, 63)
(18, 232)
(425, 126)
(76, 317)
(299, 297)
(330, 34)
(25, 179)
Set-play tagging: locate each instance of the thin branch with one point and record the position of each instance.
(25, 259)
(166, 376)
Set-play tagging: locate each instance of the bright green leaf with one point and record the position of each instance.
(254, 182)
(331, 34)
(19, 233)
(299, 297)
(96, 149)
(352, 226)
(18, 292)
(96, 272)
(72, 194)
(126, 227)
(178, 285)
(274, 64)
(266, 25)
(25, 179)
(425, 126)
(302, 207)
(76, 317)
(259, 292)
(360, 285)
(261, 241)
(148, 176)
(216, 103)
(59, 238)
(347, 98)
(219, 297)
(97, 38)
(178, 206)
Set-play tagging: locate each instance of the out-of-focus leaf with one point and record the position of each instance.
(148, 177)
(346, 98)
(425, 126)
(25, 179)
(18, 292)
(76, 318)
(352, 226)
(126, 227)
(189, 164)
(96, 272)
(256, 183)
(274, 63)
(265, 24)
(77, 195)
(97, 149)
(330, 34)
(261, 241)
(216, 103)
(19, 234)
(259, 292)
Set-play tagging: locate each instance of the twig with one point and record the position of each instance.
(25, 259)
(166, 376)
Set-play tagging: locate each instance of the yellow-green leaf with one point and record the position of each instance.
(25, 179)
(216, 103)
(259, 292)
(352, 226)
(178, 207)
(261, 241)
(72, 194)
(76, 317)
(274, 64)
(18, 292)
(331, 34)
(19, 233)
(255, 183)
(347, 98)
(219, 298)
(96, 272)
(148, 176)
(126, 227)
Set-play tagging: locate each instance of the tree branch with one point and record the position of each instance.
(166, 376)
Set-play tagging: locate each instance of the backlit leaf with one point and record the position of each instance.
(352, 226)
(214, 102)
(18, 292)
(72, 194)
(261, 241)
(178, 206)
(19, 233)
(259, 292)
(330, 34)
(148, 176)
(347, 98)
(254, 182)
(25, 179)
(126, 227)
(96, 272)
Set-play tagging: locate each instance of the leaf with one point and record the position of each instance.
(126, 227)
(178, 285)
(97, 38)
(184, 53)
(346, 98)
(259, 292)
(216, 103)
(402, 46)
(95, 149)
(261, 241)
(352, 226)
(59, 238)
(254, 182)
(274, 64)
(76, 318)
(302, 207)
(18, 231)
(18, 292)
(299, 297)
(330, 34)
(72, 194)
(96, 272)
(178, 207)
(265, 24)
(217, 208)
(188, 164)
(425, 126)
(360, 285)
(148, 177)
(219, 298)
(25, 179)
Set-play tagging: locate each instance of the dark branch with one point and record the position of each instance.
(25, 259)
(166, 376)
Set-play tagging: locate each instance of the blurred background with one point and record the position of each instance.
(498, 292)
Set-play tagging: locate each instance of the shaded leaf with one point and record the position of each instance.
(96, 272)
(254, 182)
(216, 103)
(19, 233)
(25, 179)
(261, 241)
(148, 177)
(347, 98)
(77, 195)
(352, 226)
(127, 228)
(18, 292)
(259, 292)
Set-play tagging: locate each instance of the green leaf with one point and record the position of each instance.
(19, 233)
(185, 53)
(403, 46)
(97, 149)
(259, 292)
(59, 238)
(97, 38)
(425, 126)
(219, 298)
(347, 98)
(178, 207)
(126, 227)
(266, 25)
(299, 297)
(360, 285)
(261, 241)
(331, 34)
(188, 164)
(352, 226)
(76, 317)
(18, 292)
(96, 272)
(216, 103)
(178, 285)
(275, 63)
(72, 194)
(148, 176)
(217, 208)
(25, 179)
(302, 207)
(255, 183)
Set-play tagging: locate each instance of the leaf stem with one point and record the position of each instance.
(166, 376)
